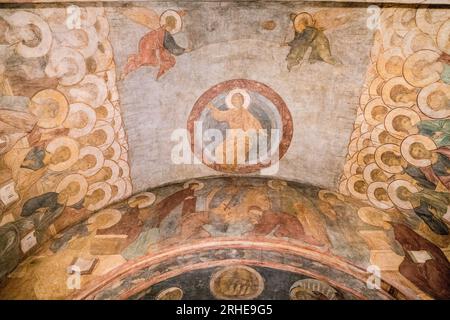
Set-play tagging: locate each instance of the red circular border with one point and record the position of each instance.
(250, 85)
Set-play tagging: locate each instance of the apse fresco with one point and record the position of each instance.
(225, 150)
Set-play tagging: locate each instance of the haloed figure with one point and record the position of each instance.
(157, 47)
(308, 35)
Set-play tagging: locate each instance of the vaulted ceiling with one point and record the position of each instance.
(114, 117)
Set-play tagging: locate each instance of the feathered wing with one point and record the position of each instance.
(331, 18)
(144, 16)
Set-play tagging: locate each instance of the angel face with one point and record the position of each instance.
(171, 23)
(301, 21)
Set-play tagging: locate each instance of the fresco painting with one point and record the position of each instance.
(354, 121)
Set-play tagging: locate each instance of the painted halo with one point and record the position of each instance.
(105, 218)
(349, 164)
(304, 289)
(66, 64)
(443, 36)
(364, 140)
(276, 184)
(381, 204)
(109, 132)
(351, 182)
(149, 199)
(406, 146)
(120, 188)
(91, 90)
(69, 143)
(173, 293)
(42, 100)
(423, 100)
(392, 192)
(366, 156)
(240, 91)
(396, 58)
(416, 40)
(303, 16)
(375, 217)
(107, 195)
(96, 152)
(400, 24)
(23, 19)
(83, 187)
(426, 76)
(226, 277)
(392, 115)
(370, 108)
(429, 19)
(74, 110)
(369, 169)
(200, 184)
(115, 170)
(176, 15)
(389, 147)
(388, 87)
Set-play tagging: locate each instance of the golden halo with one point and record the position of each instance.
(422, 77)
(45, 99)
(88, 111)
(173, 293)
(392, 69)
(176, 15)
(399, 17)
(416, 40)
(363, 140)
(387, 92)
(406, 146)
(423, 100)
(121, 186)
(303, 19)
(392, 192)
(82, 183)
(106, 189)
(367, 151)
(149, 200)
(96, 152)
(63, 142)
(115, 170)
(443, 36)
(367, 173)
(124, 167)
(375, 134)
(243, 93)
(389, 147)
(388, 122)
(429, 19)
(351, 186)
(200, 184)
(369, 110)
(232, 274)
(381, 204)
(375, 87)
(349, 164)
(279, 186)
(105, 218)
(374, 217)
(109, 131)
(312, 286)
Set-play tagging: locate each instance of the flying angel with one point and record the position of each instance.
(157, 47)
(310, 33)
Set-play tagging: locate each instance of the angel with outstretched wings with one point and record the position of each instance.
(310, 33)
(157, 47)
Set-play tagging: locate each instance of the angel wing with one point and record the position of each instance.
(331, 19)
(144, 16)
